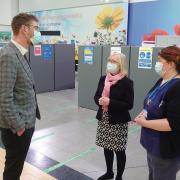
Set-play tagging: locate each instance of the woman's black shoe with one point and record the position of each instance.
(118, 177)
(106, 176)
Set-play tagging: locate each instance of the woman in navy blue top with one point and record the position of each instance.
(160, 118)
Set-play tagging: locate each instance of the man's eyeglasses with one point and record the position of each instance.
(35, 27)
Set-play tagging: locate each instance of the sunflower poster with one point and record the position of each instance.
(100, 24)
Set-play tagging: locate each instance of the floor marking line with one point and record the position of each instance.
(41, 137)
(79, 156)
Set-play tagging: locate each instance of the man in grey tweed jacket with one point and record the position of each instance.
(18, 105)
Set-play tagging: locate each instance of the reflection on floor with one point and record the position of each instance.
(29, 172)
(54, 168)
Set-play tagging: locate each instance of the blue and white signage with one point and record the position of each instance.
(88, 55)
(145, 58)
(47, 52)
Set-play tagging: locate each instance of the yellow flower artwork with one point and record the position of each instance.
(109, 19)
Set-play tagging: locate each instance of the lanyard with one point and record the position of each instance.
(153, 94)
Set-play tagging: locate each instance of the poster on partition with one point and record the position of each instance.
(37, 50)
(145, 58)
(115, 50)
(47, 51)
(88, 55)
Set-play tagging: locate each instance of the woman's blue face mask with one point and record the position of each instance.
(159, 68)
(112, 68)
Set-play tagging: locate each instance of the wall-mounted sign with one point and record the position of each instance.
(145, 58)
(115, 50)
(88, 55)
(37, 50)
(47, 51)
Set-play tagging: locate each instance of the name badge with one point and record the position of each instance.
(145, 113)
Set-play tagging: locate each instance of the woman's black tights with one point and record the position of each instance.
(121, 161)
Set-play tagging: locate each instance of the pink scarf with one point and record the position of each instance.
(109, 81)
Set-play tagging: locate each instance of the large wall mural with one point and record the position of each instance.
(102, 24)
(150, 18)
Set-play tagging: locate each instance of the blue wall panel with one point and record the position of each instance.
(144, 17)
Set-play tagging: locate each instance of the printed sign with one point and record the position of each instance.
(47, 52)
(145, 58)
(88, 55)
(115, 50)
(37, 50)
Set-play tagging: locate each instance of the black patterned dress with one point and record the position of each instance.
(112, 137)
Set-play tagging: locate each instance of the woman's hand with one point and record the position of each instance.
(142, 113)
(104, 101)
(140, 119)
(155, 124)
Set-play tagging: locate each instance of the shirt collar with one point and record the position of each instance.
(20, 47)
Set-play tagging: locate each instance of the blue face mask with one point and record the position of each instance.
(36, 39)
(112, 68)
(159, 68)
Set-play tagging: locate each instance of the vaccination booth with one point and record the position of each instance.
(140, 65)
(52, 66)
(89, 72)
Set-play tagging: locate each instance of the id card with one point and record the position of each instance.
(145, 113)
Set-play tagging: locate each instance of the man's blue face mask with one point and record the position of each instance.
(36, 39)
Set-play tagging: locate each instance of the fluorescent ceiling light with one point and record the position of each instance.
(136, 1)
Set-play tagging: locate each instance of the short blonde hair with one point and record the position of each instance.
(121, 60)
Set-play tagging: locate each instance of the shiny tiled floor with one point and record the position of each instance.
(66, 135)
(29, 172)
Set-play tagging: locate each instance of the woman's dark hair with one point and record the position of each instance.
(171, 54)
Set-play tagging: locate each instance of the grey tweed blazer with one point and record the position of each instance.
(17, 96)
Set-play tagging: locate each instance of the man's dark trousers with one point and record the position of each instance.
(16, 150)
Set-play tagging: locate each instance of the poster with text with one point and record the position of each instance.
(37, 50)
(100, 24)
(47, 51)
(145, 58)
(88, 55)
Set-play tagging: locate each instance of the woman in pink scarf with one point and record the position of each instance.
(114, 96)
